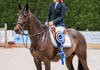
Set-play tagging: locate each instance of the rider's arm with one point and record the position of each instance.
(59, 19)
(49, 14)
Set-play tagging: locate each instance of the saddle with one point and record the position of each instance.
(66, 39)
(53, 29)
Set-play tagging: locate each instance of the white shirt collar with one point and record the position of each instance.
(56, 3)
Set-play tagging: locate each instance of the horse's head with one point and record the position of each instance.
(23, 19)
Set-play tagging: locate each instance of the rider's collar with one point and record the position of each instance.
(56, 2)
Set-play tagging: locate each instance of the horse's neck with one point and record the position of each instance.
(38, 42)
(35, 27)
(34, 24)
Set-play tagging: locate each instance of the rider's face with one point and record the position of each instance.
(56, 0)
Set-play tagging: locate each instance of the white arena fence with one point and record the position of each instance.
(3, 35)
(92, 37)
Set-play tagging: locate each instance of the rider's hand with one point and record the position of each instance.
(46, 23)
(50, 23)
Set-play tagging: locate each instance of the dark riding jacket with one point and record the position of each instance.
(57, 14)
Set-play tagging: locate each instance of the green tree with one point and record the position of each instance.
(80, 14)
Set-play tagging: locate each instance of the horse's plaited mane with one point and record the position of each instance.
(36, 19)
(39, 22)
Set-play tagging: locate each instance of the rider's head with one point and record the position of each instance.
(62, 0)
(58, 0)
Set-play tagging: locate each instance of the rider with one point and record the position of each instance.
(57, 11)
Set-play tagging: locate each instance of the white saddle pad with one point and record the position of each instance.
(67, 42)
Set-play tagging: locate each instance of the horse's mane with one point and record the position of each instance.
(39, 22)
(37, 19)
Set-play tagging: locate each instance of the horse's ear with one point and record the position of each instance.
(19, 6)
(27, 7)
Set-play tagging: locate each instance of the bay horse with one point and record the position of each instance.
(41, 47)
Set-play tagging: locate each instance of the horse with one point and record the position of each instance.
(42, 48)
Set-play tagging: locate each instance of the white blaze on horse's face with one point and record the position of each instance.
(22, 18)
(19, 18)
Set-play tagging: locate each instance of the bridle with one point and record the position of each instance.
(21, 30)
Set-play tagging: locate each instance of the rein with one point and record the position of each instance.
(22, 34)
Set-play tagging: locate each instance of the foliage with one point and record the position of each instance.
(80, 14)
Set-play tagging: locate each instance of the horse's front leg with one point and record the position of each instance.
(47, 63)
(37, 63)
(36, 60)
